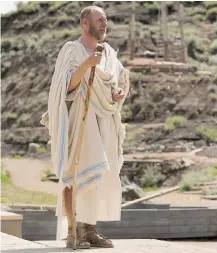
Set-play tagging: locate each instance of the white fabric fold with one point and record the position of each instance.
(64, 122)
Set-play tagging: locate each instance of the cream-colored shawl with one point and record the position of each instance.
(64, 122)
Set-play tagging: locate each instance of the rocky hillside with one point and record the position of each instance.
(33, 35)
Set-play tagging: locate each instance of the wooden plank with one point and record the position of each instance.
(160, 193)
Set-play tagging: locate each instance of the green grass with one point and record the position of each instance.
(42, 150)
(150, 188)
(47, 173)
(213, 171)
(11, 194)
(208, 132)
(17, 157)
(174, 122)
(5, 176)
(196, 178)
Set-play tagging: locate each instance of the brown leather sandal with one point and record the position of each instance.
(96, 239)
(81, 242)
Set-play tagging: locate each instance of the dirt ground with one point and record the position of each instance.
(27, 174)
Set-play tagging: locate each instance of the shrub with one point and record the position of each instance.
(22, 120)
(199, 17)
(132, 136)
(136, 78)
(209, 191)
(124, 60)
(152, 176)
(66, 33)
(175, 122)
(55, 5)
(153, 7)
(10, 115)
(213, 47)
(213, 97)
(126, 113)
(196, 10)
(209, 133)
(213, 60)
(212, 14)
(198, 44)
(62, 20)
(185, 187)
(209, 4)
(29, 7)
(196, 178)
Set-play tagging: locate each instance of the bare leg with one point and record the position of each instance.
(81, 239)
(68, 207)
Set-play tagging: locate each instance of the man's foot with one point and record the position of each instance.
(81, 242)
(94, 238)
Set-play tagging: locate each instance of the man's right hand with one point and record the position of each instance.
(94, 59)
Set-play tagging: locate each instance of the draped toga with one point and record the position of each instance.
(98, 183)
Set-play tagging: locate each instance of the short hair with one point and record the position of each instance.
(86, 12)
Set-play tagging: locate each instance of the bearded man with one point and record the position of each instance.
(98, 183)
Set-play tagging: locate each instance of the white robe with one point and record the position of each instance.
(101, 152)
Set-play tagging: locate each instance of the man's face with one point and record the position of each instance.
(97, 25)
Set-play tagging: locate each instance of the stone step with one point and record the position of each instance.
(11, 223)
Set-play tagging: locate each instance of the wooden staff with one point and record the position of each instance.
(99, 49)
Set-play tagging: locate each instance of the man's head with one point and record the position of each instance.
(93, 21)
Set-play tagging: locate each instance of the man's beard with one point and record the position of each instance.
(97, 35)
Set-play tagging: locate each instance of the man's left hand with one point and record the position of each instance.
(118, 95)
